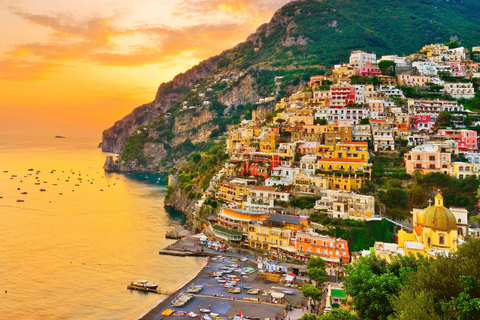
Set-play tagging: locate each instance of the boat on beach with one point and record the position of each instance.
(194, 288)
(144, 284)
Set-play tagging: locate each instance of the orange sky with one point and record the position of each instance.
(74, 68)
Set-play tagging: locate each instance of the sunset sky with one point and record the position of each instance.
(75, 67)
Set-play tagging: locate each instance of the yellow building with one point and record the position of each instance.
(462, 170)
(352, 150)
(303, 96)
(233, 139)
(276, 231)
(434, 229)
(233, 192)
(269, 142)
(283, 104)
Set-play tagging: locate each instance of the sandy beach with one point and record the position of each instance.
(215, 296)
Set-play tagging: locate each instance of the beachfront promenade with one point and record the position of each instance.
(215, 297)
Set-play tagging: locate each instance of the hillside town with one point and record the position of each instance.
(318, 145)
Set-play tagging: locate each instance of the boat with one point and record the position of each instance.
(194, 288)
(20, 200)
(59, 137)
(192, 314)
(167, 312)
(204, 310)
(144, 284)
(179, 313)
(253, 291)
(288, 292)
(43, 189)
(221, 280)
(206, 317)
(24, 192)
(234, 290)
(178, 303)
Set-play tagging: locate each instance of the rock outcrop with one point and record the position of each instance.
(114, 138)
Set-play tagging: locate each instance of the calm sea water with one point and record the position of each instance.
(69, 252)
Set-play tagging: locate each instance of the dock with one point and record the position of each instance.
(157, 291)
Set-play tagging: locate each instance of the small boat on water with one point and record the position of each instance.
(144, 284)
(24, 192)
(20, 200)
(43, 189)
(31, 169)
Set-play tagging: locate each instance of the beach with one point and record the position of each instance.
(216, 298)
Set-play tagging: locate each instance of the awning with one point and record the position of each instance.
(278, 295)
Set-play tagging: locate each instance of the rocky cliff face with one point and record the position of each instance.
(114, 138)
(179, 201)
(243, 93)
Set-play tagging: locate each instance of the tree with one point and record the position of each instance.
(365, 121)
(321, 122)
(312, 292)
(269, 117)
(372, 282)
(387, 67)
(452, 44)
(444, 119)
(319, 275)
(316, 262)
(447, 287)
(338, 314)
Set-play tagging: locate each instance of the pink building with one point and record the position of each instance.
(458, 67)
(420, 122)
(427, 158)
(369, 71)
(467, 139)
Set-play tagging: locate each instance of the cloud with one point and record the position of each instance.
(245, 10)
(99, 40)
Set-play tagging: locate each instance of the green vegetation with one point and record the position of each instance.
(360, 235)
(357, 28)
(304, 202)
(372, 282)
(133, 149)
(404, 288)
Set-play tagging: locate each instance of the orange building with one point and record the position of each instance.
(328, 248)
(238, 220)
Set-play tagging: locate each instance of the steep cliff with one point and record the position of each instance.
(114, 138)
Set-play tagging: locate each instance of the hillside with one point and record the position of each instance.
(303, 38)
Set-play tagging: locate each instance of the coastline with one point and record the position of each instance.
(159, 306)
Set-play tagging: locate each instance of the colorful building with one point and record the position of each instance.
(427, 158)
(467, 139)
(275, 231)
(328, 248)
(434, 230)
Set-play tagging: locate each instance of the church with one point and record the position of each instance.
(435, 229)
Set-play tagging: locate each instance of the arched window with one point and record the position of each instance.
(459, 220)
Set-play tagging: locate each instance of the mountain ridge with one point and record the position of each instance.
(308, 33)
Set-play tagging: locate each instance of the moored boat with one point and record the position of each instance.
(144, 284)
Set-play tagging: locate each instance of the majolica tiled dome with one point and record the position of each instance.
(438, 217)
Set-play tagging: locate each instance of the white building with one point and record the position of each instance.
(361, 132)
(352, 114)
(460, 90)
(359, 58)
(282, 176)
(432, 107)
(399, 61)
(346, 205)
(392, 91)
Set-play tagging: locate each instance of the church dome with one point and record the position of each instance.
(438, 217)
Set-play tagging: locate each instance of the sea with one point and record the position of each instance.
(70, 251)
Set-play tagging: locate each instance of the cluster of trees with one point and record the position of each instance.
(200, 168)
(408, 287)
(133, 149)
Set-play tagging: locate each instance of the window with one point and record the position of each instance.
(441, 239)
